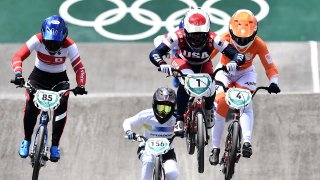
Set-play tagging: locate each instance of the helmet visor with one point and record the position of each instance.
(163, 109)
(52, 46)
(242, 41)
(197, 39)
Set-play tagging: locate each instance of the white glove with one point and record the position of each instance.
(232, 66)
(166, 69)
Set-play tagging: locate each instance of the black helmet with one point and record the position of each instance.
(163, 104)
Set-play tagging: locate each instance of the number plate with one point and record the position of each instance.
(157, 146)
(198, 84)
(238, 98)
(46, 100)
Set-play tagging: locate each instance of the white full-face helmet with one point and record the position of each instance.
(196, 27)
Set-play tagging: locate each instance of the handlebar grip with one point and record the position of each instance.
(12, 81)
(159, 69)
(85, 92)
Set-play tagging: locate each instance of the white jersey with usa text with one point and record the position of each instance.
(151, 127)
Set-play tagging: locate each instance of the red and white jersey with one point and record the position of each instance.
(51, 63)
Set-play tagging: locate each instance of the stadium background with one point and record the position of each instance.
(121, 80)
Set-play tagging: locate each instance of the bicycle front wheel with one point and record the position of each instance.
(37, 156)
(233, 139)
(200, 141)
(158, 173)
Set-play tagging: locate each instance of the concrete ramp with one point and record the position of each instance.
(286, 141)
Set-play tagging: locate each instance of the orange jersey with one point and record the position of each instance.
(258, 47)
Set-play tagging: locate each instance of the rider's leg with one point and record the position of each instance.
(220, 115)
(246, 122)
(247, 81)
(148, 162)
(58, 123)
(171, 170)
(30, 116)
(182, 96)
(170, 165)
(29, 121)
(182, 102)
(217, 130)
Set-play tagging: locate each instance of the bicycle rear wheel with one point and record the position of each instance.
(200, 141)
(158, 173)
(233, 137)
(37, 156)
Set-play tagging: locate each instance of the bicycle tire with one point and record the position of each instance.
(200, 141)
(158, 173)
(190, 139)
(37, 156)
(232, 151)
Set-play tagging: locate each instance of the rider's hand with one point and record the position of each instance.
(19, 80)
(232, 66)
(274, 88)
(79, 90)
(166, 69)
(131, 135)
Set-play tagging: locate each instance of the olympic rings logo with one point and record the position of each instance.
(113, 16)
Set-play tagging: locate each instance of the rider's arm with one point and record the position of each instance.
(266, 60)
(228, 50)
(133, 122)
(76, 62)
(24, 52)
(167, 44)
(157, 54)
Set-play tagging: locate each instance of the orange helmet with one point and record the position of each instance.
(243, 27)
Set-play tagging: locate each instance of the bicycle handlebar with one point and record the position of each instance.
(258, 88)
(181, 74)
(29, 86)
(140, 138)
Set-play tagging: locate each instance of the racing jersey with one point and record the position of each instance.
(151, 127)
(187, 53)
(258, 47)
(51, 63)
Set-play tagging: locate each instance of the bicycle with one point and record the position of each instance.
(237, 99)
(46, 101)
(196, 131)
(156, 147)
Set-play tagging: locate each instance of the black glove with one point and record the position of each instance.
(19, 80)
(239, 58)
(131, 135)
(79, 90)
(273, 88)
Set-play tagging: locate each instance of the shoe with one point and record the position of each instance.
(54, 153)
(209, 118)
(246, 150)
(214, 156)
(24, 149)
(178, 128)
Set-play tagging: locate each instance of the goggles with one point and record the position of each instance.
(163, 109)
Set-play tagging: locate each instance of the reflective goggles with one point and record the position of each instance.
(164, 109)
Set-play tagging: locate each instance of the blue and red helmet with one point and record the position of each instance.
(54, 32)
